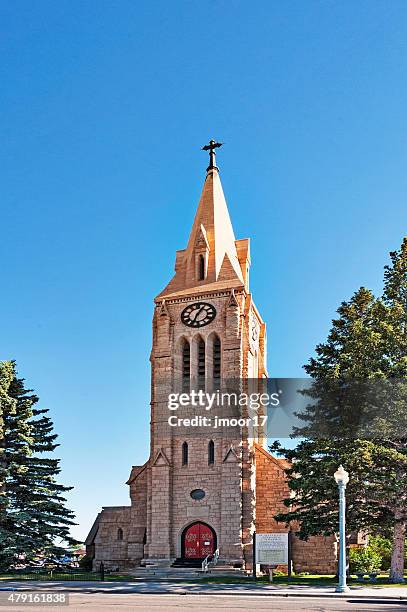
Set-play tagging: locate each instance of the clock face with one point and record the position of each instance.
(198, 314)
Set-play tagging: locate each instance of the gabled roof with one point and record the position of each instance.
(93, 531)
(282, 463)
(136, 470)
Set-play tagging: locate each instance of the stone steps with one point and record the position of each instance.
(163, 573)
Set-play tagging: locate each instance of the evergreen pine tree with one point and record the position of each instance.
(35, 516)
(367, 341)
(7, 407)
(395, 297)
(14, 455)
(353, 350)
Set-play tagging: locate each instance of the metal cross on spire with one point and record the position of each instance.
(212, 155)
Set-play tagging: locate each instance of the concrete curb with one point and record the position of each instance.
(275, 594)
(308, 595)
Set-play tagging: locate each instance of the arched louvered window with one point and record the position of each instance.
(201, 364)
(186, 366)
(120, 534)
(211, 452)
(201, 267)
(184, 453)
(216, 362)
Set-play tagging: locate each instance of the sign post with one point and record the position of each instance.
(254, 556)
(290, 554)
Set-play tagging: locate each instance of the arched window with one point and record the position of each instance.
(201, 268)
(216, 362)
(184, 453)
(201, 364)
(120, 534)
(211, 452)
(186, 366)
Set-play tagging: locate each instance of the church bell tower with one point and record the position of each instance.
(207, 484)
(206, 329)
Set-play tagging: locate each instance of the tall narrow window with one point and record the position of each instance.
(216, 362)
(211, 452)
(201, 364)
(120, 534)
(184, 453)
(201, 267)
(186, 366)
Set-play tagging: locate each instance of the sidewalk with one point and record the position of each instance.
(181, 588)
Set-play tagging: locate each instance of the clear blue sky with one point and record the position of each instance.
(103, 110)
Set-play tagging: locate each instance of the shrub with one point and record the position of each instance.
(364, 559)
(383, 547)
(85, 563)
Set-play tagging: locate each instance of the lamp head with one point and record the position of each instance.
(341, 476)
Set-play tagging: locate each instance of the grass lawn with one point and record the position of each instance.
(308, 580)
(120, 578)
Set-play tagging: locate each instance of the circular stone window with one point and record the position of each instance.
(197, 494)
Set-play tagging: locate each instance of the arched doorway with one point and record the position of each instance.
(198, 540)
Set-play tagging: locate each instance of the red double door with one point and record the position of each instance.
(199, 541)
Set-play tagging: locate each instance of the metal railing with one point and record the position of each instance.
(210, 559)
(54, 573)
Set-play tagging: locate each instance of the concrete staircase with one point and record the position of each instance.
(184, 571)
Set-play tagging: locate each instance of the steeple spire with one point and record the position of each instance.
(213, 257)
(212, 155)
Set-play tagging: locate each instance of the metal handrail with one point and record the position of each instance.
(214, 560)
(205, 563)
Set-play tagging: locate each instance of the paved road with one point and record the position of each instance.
(181, 603)
(200, 603)
(178, 597)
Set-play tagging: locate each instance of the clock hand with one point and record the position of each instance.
(194, 318)
(203, 308)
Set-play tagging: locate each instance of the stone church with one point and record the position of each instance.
(203, 489)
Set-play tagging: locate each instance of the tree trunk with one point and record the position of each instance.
(397, 555)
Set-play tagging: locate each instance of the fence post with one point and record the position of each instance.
(102, 571)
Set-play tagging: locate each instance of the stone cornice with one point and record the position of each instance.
(200, 296)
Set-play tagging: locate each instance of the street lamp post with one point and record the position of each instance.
(342, 478)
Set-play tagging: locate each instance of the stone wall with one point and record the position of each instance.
(138, 515)
(125, 548)
(271, 489)
(316, 555)
(108, 547)
(228, 503)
